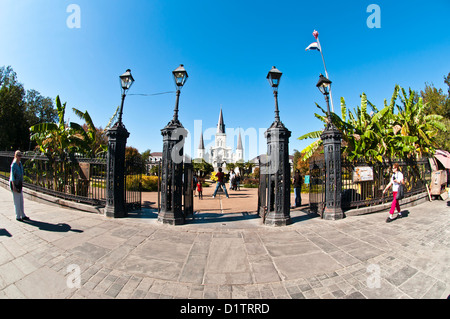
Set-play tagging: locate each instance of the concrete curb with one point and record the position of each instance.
(48, 199)
(406, 202)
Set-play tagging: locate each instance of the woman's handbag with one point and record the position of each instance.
(18, 186)
(400, 192)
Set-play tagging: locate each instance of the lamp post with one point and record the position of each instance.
(331, 138)
(274, 77)
(126, 81)
(172, 161)
(180, 76)
(278, 168)
(115, 165)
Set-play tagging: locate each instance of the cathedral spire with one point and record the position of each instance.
(201, 146)
(221, 125)
(239, 143)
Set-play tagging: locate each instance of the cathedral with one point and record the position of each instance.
(220, 154)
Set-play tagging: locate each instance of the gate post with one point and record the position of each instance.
(172, 174)
(331, 138)
(279, 175)
(115, 171)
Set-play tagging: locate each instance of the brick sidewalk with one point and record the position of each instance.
(228, 256)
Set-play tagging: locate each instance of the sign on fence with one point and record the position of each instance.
(306, 179)
(362, 174)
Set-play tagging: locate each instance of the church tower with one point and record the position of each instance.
(221, 137)
(220, 154)
(239, 156)
(201, 148)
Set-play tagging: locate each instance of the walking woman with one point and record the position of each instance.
(15, 183)
(396, 180)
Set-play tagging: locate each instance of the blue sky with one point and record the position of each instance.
(227, 47)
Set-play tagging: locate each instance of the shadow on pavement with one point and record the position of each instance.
(301, 218)
(4, 232)
(203, 218)
(144, 213)
(60, 227)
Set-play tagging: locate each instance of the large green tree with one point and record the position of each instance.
(13, 125)
(438, 102)
(20, 109)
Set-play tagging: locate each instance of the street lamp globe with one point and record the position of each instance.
(180, 76)
(126, 80)
(274, 77)
(323, 85)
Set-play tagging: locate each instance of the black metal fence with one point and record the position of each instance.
(356, 192)
(73, 178)
(363, 183)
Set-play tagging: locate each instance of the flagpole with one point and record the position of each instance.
(326, 73)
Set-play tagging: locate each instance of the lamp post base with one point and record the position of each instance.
(335, 213)
(273, 219)
(170, 219)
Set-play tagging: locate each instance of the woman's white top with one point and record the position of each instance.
(397, 181)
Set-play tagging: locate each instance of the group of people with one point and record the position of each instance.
(17, 173)
(235, 180)
(220, 175)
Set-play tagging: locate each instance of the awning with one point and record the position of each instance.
(443, 157)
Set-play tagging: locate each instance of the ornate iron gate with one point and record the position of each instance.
(133, 184)
(317, 185)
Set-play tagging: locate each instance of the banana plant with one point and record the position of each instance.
(413, 121)
(382, 134)
(87, 141)
(55, 141)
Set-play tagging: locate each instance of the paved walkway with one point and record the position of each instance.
(63, 253)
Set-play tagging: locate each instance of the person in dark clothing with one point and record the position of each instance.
(200, 188)
(298, 181)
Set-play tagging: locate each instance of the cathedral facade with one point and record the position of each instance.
(220, 154)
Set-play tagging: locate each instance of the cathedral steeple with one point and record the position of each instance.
(221, 124)
(239, 143)
(201, 146)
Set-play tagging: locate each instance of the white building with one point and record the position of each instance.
(220, 154)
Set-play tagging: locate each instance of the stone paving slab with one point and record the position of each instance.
(223, 253)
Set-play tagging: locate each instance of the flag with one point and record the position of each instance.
(313, 46)
(316, 34)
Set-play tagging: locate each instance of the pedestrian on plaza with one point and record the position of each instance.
(237, 182)
(395, 182)
(220, 178)
(232, 177)
(15, 183)
(200, 188)
(298, 181)
(194, 183)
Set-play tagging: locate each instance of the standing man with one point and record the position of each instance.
(220, 176)
(298, 181)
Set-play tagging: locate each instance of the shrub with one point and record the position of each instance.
(150, 183)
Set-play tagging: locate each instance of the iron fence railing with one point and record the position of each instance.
(74, 178)
(357, 192)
